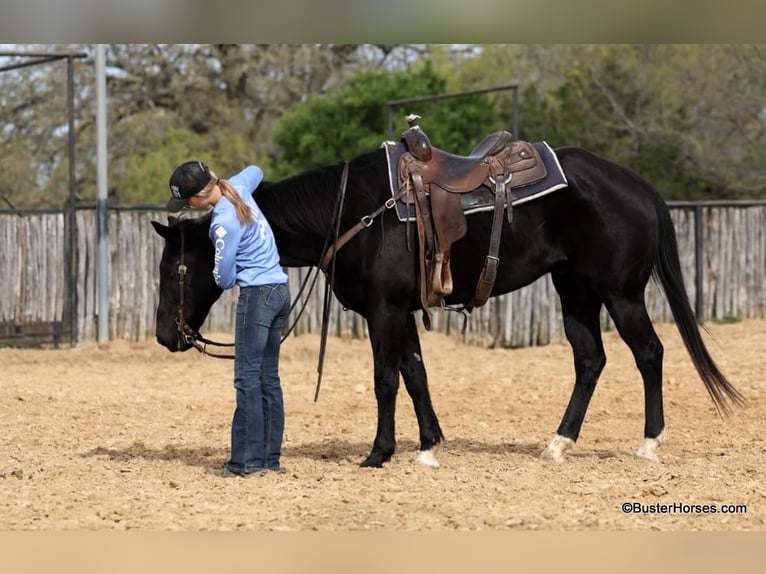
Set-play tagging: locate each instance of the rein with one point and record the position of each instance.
(327, 261)
(328, 258)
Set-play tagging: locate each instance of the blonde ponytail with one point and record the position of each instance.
(243, 211)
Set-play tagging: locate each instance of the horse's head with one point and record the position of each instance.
(185, 297)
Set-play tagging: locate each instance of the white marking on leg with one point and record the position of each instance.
(428, 457)
(648, 449)
(555, 450)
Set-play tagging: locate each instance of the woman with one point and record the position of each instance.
(245, 255)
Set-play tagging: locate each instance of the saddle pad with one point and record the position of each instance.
(483, 199)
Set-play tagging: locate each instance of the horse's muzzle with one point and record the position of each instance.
(174, 344)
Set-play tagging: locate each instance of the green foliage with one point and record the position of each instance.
(147, 173)
(353, 118)
(689, 118)
(612, 115)
(628, 103)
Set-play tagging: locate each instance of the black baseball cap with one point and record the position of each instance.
(187, 179)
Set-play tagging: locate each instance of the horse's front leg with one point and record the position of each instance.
(387, 326)
(416, 382)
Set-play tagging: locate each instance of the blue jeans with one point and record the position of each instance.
(259, 417)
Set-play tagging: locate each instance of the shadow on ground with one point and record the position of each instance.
(330, 451)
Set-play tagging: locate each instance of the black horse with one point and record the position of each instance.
(601, 238)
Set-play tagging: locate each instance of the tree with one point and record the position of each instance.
(690, 118)
(217, 102)
(221, 100)
(352, 118)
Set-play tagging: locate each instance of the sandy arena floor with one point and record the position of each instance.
(120, 437)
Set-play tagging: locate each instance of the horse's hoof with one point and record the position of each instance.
(375, 460)
(428, 457)
(648, 449)
(555, 450)
(647, 453)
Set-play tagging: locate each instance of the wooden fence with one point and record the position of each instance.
(33, 285)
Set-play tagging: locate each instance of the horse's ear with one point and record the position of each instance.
(162, 230)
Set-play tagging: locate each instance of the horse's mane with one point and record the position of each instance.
(306, 202)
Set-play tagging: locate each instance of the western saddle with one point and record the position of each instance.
(434, 180)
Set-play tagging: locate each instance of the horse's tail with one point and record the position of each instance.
(667, 270)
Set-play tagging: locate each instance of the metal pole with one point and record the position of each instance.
(28, 64)
(699, 296)
(433, 97)
(390, 113)
(102, 234)
(418, 99)
(516, 112)
(72, 267)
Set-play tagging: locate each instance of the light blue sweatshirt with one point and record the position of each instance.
(245, 255)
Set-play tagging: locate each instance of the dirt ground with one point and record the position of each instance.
(120, 437)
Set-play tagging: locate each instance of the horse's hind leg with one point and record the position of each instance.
(416, 382)
(580, 307)
(635, 327)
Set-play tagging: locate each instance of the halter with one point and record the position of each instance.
(187, 334)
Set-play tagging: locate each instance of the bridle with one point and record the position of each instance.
(185, 332)
(195, 338)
